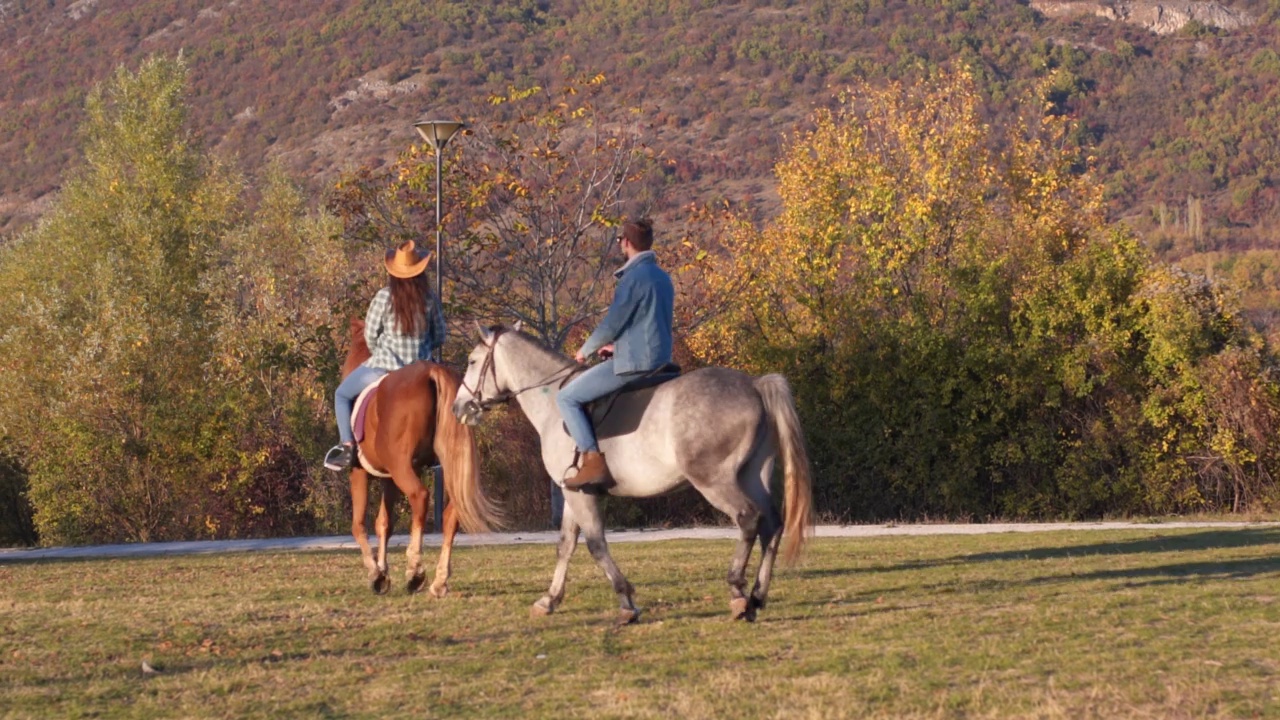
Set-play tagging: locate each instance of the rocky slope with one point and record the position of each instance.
(1162, 18)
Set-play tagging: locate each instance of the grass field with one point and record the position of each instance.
(1159, 623)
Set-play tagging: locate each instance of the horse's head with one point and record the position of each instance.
(359, 349)
(481, 387)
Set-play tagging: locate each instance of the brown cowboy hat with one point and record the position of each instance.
(406, 262)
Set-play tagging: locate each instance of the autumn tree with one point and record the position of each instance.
(173, 356)
(280, 291)
(533, 201)
(106, 328)
(967, 334)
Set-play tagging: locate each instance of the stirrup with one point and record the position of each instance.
(339, 457)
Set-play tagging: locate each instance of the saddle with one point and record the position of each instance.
(599, 409)
(670, 371)
(357, 424)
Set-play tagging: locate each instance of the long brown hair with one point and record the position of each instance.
(410, 298)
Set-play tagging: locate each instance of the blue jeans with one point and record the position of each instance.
(344, 398)
(593, 384)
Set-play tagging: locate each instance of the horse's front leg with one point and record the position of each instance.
(385, 523)
(444, 566)
(548, 603)
(586, 510)
(359, 510)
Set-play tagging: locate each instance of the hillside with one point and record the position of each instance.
(1183, 112)
(962, 333)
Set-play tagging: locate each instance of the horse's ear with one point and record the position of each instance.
(484, 331)
(519, 324)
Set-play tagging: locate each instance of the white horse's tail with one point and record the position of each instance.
(798, 487)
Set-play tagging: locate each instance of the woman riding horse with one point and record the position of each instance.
(408, 426)
(404, 324)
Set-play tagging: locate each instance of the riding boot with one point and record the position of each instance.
(593, 471)
(340, 457)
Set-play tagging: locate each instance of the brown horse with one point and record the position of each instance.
(409, 425)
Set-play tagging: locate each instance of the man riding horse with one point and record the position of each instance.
(717, 429)
(636, 331)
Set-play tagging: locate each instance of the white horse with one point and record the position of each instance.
(718, 429)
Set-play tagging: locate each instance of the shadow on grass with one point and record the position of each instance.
(1166, 574)
(1242, 569)
(1206, 540)
(1188, 542)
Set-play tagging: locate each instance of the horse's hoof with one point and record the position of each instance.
(416, 582)
(627, 616)
(540, 609)
(738, 608)
(380, 585)
(439, 591)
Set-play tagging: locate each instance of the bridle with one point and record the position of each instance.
(488, 366)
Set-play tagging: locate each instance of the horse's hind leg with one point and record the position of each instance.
(444, 567)
(756, 480)
(729, 499)
(585, 510)
(740, 608)
(386, 521)
(359, 509)
(407, 481)
(548, 603)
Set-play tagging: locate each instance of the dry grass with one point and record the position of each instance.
(1158, 623)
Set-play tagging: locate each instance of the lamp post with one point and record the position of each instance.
(438, 133)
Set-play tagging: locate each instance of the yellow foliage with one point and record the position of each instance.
(886, 192)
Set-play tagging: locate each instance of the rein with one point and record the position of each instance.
(488, 367)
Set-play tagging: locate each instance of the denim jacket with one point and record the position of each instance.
(639, 320)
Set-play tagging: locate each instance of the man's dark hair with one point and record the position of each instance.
(639, 233)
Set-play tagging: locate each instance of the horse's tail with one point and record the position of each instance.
(455, 447)
(798, 487)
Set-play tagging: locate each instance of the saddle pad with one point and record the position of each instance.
(357, 425)
(362, 406)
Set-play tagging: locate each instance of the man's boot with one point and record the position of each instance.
(592, 472)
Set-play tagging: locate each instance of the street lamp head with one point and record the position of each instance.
(438, 132)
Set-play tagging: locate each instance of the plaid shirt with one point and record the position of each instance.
(392, 349)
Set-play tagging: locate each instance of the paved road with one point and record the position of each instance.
(549, 537)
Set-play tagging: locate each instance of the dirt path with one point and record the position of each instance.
(342, 542)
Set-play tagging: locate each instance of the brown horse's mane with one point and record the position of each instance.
(359, 350)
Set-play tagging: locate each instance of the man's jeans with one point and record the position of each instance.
(345, 397)
(593, 384)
